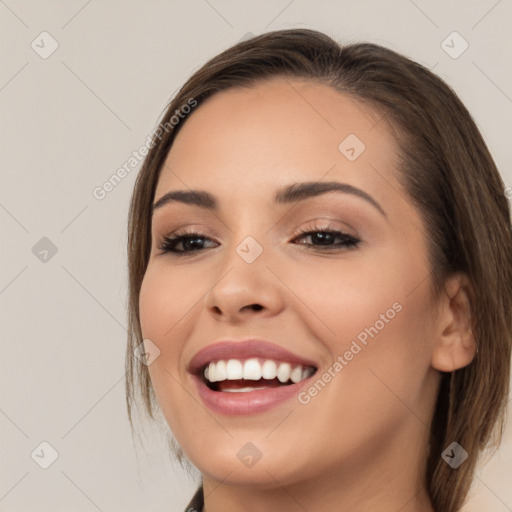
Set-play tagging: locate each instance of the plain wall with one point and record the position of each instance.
(68, 122)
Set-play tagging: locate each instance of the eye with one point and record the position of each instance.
(322, 238)
(183, 242)
(327, 239)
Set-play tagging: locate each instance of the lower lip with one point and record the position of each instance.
(250, 402)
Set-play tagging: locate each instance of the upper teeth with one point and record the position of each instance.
(252, 369)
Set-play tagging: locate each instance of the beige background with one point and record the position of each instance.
(68, 122)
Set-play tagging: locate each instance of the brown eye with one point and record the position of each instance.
(328, 238)
(181, 243)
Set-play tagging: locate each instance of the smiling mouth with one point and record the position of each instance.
(244, 376)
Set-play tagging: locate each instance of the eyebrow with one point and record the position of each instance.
(290, 194)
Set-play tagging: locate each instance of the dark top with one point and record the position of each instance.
(197, 503)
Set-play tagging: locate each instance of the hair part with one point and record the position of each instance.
(449, 175)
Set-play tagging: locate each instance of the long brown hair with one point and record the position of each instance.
(450, 176)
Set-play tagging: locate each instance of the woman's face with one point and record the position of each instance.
(353, 305)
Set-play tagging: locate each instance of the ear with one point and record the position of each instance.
(455, 345)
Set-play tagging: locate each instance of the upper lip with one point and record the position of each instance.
(229, 349)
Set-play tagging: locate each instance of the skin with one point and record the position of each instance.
(361, 443)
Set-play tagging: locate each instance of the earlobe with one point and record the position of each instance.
(455, 344)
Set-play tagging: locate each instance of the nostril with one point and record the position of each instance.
(256, 307)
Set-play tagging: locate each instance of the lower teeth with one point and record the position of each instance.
(242, 390)
(227, 388)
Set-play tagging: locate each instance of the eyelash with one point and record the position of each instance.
(170, 242)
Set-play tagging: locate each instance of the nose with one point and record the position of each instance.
(243, 291)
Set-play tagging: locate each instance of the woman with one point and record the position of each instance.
(320, 273)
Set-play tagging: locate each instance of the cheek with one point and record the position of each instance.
(164, 308)
(384, 339)
(166, 299)
(374, 313)
(378, 377)
(347, 296)
(152, 300)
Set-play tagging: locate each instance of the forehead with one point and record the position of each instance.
(280, 131)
